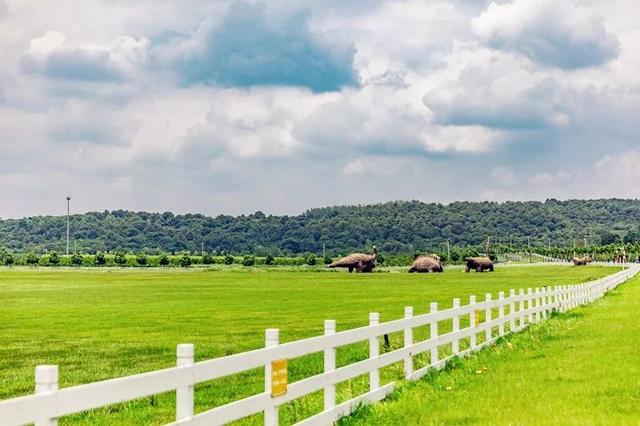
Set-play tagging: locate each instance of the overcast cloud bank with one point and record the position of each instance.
(238, 106)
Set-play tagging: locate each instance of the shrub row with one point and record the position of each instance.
(144, 260)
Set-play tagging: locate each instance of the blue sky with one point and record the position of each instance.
(279, 106)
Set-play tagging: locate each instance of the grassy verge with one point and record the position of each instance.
(581, 368)
(101, 324)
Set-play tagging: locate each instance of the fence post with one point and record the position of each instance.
(521, 305)
(554, 299)
(579, 295)
(455, 345)
(433, 308)
(374, 352)
(538, 302)
(487, 317)
(571, 297)
(46, 381)
(271, 339)
(501, 313)
(184, 395)
(408, 341)
(473, 339)
(329, 365)
(512, 310)
(530, 304)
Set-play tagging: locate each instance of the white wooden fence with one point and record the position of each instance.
(515, 312)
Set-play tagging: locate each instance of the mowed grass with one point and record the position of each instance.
(102, 324)
(578, 368)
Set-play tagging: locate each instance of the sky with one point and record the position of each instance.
(230, 107)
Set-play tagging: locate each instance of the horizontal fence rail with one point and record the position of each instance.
(515, 312)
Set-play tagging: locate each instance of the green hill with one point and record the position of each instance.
(397, 227)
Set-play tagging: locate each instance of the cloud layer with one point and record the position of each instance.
(237, 106)
(559, 33)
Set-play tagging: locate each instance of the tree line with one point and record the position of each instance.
(398, 228)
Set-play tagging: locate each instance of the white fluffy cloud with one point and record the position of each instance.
(236, 106)
(562, 33)
(51, 56)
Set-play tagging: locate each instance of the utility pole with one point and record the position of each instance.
(68, 211)
(324, 252)
(202, 249)
(529, 247)
(448, 252)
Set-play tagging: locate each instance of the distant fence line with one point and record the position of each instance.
(514, 313)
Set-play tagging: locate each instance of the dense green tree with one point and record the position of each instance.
(633, 236)
(607, 237)
(228, 260)
(268, 260)
(185, 260)
(163, 260)
(54, 259)
(100, 259)
(142, 259)
(249, 260)
(120, 258)
(207, 259)
(76, 259)
(31, 259)
(310, 259)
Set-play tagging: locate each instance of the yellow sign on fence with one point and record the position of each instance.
(279, 377)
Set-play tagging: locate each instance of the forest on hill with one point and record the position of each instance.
(396, 227)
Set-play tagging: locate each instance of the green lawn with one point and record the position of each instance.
(100, 324)
(581, 368)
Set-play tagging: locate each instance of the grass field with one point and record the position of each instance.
(101, 324)
(581, 368)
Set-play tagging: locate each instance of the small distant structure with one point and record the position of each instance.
(581, 261)
(478, 264)
(427, 263)
(358, 262)
(621, 257)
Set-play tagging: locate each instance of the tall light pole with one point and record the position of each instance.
(68, 211)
